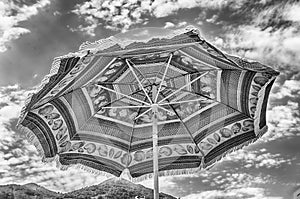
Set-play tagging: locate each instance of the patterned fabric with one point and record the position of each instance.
(94, 109)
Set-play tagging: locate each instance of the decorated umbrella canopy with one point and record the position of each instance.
(170, 104)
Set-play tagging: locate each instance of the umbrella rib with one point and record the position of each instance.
(136, 77)
(163, 78)
(191, 73)
(116, 92)
(131, 136)
(185, 127)
(217, 50)
(165, 109)
(180, 102)
(104, 106)
(138, 116)
(189, 132)
(107, 104)
(72, 90)
(141, 74)
(115, 83)
(182, 87)
(108, 107)
(199, 94)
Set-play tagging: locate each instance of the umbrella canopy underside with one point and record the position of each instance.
(94, 108)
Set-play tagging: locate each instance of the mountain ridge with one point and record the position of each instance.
(113, 188)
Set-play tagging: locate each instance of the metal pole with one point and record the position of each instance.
(155, 151)
(155, 144)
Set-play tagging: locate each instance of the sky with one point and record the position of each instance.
(33, 32)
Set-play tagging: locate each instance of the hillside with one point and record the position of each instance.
(27, 191)
(110, 189)
(116, 189)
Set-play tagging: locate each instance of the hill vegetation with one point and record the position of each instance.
(110, 189)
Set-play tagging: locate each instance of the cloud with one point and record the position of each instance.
(121, 15)
(231, 185)
(257, 159)
(250, 192)
(11, 15)
(172, 25)
(213, 19)
(117, 15)
(169, 25)
(19, 160)
(271, 37)
(292, 13)
(273, 47)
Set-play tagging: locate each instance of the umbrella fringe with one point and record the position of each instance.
(174, 172)
(88, 169)
(53, 71)
(211, 163)
(93, 171)
(202, 166)
(32, 139)
(103, 44)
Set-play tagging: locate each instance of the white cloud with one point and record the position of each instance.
(178, 25)
(275, 47)
(117, 15)
(283, 122)
(269, 37)
(249, 192)
(9, 21)
(169, 25)
(19, 160)
(212, 19)
(257, 159)
(292, 13)
(123, 14)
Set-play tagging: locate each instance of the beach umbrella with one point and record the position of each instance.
(165, 103)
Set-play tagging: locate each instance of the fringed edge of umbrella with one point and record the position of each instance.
(106, 43)
(53, 71)
(32, 139)
(174, 172)
(83, 168)
(210, 164)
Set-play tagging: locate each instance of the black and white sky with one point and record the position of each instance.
(33, 32)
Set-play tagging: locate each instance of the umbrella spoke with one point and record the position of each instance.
(107, 107)
(140, 73)
(145, 112)
(179, 102)
(163, 78)
(116, 100)
(137, 78)
(166, 110)
(186, 128)
(114, 83)
(182, 87)
(191, 73)
(116, 92)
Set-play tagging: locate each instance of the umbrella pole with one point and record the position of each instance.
(155, 151)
